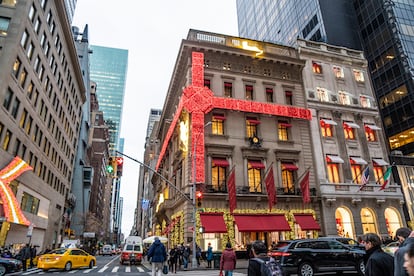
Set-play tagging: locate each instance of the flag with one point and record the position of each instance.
(387, 178)
(364, 178)
(270, 187)
(304, 187)
(231, 185)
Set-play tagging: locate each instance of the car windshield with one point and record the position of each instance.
(58, 251)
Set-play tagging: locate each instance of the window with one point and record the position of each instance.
(356, 172)
(344, 98)
(288, 180)
(349, 130)
(16, 67)
(25, 38)
(289, 97)
(218, 174)
(327, 127)
(269, 95)
(207, 83)
(16, 147)
(28, 126)
(217, 124)
(22, 78)
(249, 92)
(8, 99)
(228, 89)
(6, 140)
(322, 94)
(378, 173)
(316, 67)
(32, 13)
(283, 130)
(371, 132)
(366, 101)
(338, 72)
(254, 176)
(30, 51)
(23, 118)
(359, 75)
(333, 172)
(4, 25)
(251, 126)
(15, 108)
(30, 203)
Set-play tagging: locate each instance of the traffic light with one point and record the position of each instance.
(199, 197)
(119, 165)
(112, 166)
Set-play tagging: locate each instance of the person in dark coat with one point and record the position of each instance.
(259, 250)
(378, 263)
(409, 259)
(228, 260)
(24, 255)
(403, 236)
(173, 259)
(33, 253)
(158, 255)
(209, 255)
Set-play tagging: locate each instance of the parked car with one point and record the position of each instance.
(310, 256)
(348, 241)
(10, 265)
(66, 259)
(391, 247)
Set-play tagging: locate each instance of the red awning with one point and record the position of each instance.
(261, 223)
(284, 124)
(228, 84)
(249, 88)
(269, 90)
(307, 222)
(213, 222)
(253, 121)
(219, 117)
(256, 165)
(289, 167)
(220, 162)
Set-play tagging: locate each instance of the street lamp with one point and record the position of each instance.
(194, 259)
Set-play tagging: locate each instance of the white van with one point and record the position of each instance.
(133, 251)
(107, 250)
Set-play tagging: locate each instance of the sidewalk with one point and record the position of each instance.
(241, 266)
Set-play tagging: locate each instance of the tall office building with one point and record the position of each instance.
(109, 70)
(284, 21)
(42, 93)
(385, 31)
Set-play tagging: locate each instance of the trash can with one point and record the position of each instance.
(216, 259)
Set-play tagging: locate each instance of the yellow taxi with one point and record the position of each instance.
(66, 259)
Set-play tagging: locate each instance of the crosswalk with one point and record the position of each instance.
(128, 269)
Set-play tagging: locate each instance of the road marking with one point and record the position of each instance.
(128, 269)
(115, 269)
(102, 269)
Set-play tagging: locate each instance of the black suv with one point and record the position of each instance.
(306, 257)
(347, 241)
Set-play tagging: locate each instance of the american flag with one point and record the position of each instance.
(364, 178)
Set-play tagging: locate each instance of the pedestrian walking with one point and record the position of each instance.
(259, 250)
(173, 259)
(186, 256)
(24, 255)
(209, 255)
(228, 260)
(409, 259)
(378, 263)
(32, 255)
(158, 255)
(404, 239)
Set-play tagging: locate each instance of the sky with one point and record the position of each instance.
(151, 31)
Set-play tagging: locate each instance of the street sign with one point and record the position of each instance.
(29, 230)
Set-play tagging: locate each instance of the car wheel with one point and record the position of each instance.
(305, 269)
(361, 267)
(68, 266)
(2, 270)
(91, 264)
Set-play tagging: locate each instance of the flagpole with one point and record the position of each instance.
(382, 177)
(302, 175)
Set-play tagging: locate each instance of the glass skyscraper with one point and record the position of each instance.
(109, 69)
